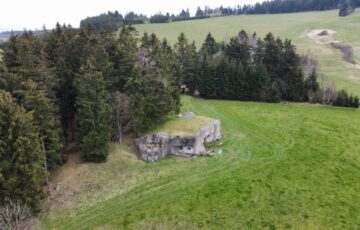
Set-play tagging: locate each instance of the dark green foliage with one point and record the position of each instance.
(290, 74)
(238, 48)
(132, 18)
(31, 83)
(311, 82)
(21, 158)
(252, 69)
(93, 114)
(110, 20)
(45, 117)
(343, 99)
(186, 57)
(124, 58)
(154, 88)
(311, 86)
(190, 18)
(64, 55)
(150, 99)
(159, 18)
(11, 52)
(248, 69)
(184, 14)
(210, 47)
(272, 92)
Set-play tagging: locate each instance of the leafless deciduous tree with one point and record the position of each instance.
(121, 116)
(309, 63)
(15, 216)
(328, 91)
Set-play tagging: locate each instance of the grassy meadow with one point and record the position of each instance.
(280, 166)
(292, 26)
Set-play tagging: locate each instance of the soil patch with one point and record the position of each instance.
(325, 37)
(323, 33)
(322, 36)
(347, 50)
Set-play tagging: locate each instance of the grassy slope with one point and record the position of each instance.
(291, 26)
(281, 166)
(182, 127)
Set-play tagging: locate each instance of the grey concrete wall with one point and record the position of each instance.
(157, 146)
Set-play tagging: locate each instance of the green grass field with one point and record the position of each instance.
(280, 166)
(182, 127)
(292, 26)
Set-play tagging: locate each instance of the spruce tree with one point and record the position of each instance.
(93, 114)
(272, 56)
(21, 159)
(150, 98)
(356, 102)
(11, 52)
(291, 74)
(239, 49)
(186, 57)
(126, 55)
(210, 47)
(45, 117)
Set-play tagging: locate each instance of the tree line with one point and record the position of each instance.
(91, 87)
(112, 21)
(249, 68)
(76, 86)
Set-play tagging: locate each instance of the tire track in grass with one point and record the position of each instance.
(279, 150)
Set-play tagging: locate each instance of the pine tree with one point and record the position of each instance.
(93, 114)
(21, 159)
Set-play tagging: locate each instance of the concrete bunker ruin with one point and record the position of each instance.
(174, 139)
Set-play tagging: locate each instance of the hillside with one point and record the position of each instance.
(280, 166)
(292, 26)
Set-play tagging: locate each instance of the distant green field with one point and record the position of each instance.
(292, 26)
(280, 166)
